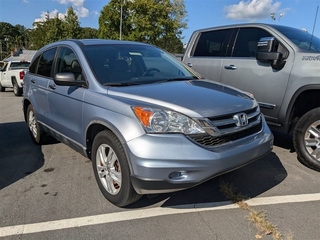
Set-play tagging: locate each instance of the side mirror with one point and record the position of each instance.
(267, 52)
(67, 79)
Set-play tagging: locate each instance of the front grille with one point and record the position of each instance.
(228, 124)
(227, 128)
(210, 141)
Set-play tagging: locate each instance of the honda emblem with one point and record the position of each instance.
(241, 118)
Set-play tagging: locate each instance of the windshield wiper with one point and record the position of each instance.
(178, 79)
(121, 84)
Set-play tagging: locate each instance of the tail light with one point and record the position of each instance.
(21, 75)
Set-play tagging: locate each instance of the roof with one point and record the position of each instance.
(21, 55)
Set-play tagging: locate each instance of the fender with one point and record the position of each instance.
(289, 112)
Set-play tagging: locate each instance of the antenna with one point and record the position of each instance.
(314, 24)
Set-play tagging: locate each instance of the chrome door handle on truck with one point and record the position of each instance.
(230, 67)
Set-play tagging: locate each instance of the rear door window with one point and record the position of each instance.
(213, 43)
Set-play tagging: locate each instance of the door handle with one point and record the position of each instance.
(33, 81)
(52, 86)
(230, 67)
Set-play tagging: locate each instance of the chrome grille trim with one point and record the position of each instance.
(223, 129)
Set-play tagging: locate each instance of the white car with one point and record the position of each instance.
(12, 74)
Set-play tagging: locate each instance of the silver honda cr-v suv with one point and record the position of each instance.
(148, 123)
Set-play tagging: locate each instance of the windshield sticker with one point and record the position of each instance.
(311, 58)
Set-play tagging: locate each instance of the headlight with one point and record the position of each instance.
(157, 120)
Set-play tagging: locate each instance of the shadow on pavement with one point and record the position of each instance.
(282, 140)
(19, 156)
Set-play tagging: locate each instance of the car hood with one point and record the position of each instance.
(195, 98)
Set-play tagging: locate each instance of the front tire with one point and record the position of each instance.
(111, 169)
(37, 135)
(306, 139)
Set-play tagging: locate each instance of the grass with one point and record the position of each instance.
(257, 218)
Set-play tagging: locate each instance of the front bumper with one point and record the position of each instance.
(172, 162)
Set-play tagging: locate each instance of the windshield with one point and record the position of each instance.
(301, 38)
(127, 64)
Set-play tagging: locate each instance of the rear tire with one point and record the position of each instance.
(111, 169)
(2, 89)
(37, 135)
(16, 89)
(306, 139)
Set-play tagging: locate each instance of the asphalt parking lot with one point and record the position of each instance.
(49, 192)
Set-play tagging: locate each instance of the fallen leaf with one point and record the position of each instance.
(258, 236)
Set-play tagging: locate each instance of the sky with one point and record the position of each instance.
(200, 13)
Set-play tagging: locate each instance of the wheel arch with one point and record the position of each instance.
(26, 104)
(96, 127)
(13, 78)
(305, 99)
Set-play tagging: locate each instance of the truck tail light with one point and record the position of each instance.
(21, 75)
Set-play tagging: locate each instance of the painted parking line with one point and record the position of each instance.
(147, 213)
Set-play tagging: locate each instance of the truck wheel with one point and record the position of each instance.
(16, 89)
(306, 139)
(37, 135)
(111, 169)
(2, 89)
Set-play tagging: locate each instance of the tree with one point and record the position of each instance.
(38, 35)
(22, 40)
(47, 31)
(87, 33)
(109, 20)
(158, 22)
(9, 38)
(172, 40)
(55, 29)
(72, 24)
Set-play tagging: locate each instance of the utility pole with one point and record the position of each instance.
(120, 38)
(0, 50)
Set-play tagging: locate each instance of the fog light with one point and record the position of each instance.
(178, 175)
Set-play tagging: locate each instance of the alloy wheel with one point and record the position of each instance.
(109, 169)
(312, 140)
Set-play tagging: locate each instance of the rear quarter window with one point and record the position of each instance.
(34, 65)
(46, 62)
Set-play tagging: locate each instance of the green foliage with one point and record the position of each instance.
(158, 22)
(9, 38)
(22, 39)
(55, 29)
(87, 33)
(72, 25)
(44, 32)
